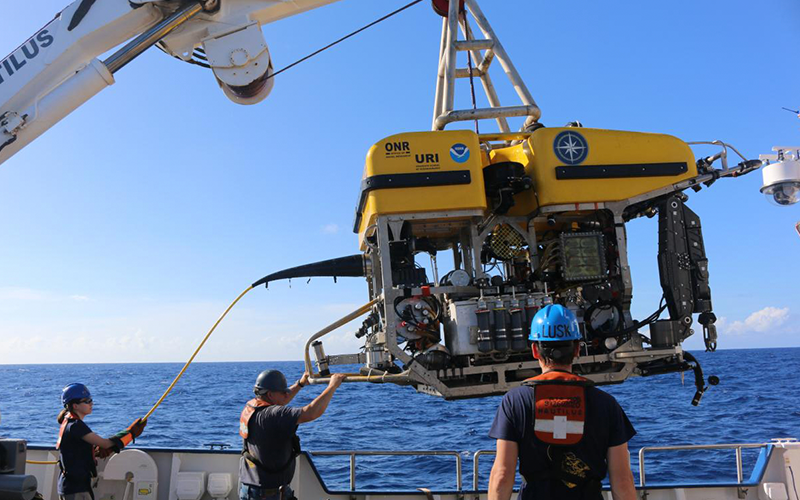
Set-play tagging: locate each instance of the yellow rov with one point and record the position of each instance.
(464, 236)
(524, 220)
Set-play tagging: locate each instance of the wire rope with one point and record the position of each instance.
(373, 23)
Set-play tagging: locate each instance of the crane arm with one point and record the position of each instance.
(56, 70)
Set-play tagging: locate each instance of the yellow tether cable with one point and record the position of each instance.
(195, 354)
(180, 374)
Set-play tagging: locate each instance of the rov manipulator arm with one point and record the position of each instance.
(683, 269)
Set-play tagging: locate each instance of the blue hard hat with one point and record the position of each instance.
(554, 323)
(73, 392)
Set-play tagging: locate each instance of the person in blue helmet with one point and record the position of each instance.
(79, 446)
(566, 434)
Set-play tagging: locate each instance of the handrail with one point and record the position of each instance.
(475, 459)
(352, 454)
(738, 447)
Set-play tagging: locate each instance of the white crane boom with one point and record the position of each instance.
(56, 70)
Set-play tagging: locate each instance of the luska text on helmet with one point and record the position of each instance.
(26, 52)
(555, 331)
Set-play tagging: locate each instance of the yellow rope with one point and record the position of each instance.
(195, 354)
(180, 374)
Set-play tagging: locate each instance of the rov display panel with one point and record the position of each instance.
(583, 256)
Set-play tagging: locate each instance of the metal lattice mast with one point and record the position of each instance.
(483, 52)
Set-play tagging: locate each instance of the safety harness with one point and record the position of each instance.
(559, 420)
(252, 407)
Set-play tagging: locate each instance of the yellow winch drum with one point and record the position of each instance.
(421, 172)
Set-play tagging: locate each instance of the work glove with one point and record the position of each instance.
(137, 427)
(126, 437)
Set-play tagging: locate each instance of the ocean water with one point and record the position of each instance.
(758, 399)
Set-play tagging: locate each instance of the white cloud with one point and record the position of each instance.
(330, 229)
(764, 320)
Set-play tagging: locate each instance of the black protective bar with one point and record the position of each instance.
(621, 171)
(412, 180)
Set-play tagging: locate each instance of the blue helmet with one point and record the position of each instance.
(73, 392)
(554, 323)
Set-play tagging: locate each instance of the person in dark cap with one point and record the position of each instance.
(268, 428)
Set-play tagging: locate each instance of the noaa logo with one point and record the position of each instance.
(570, 147)
(459, 153)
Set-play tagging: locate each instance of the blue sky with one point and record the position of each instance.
(128, 227)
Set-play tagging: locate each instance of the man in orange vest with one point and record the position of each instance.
(268, 428)
(566, 433)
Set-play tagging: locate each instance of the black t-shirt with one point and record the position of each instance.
(270, 433)
(77, 460)
(606, 426)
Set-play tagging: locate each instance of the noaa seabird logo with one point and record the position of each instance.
(459, 153)
(570, 147)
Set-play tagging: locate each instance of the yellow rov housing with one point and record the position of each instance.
(421, 172)
(442, 171)
(579, 165)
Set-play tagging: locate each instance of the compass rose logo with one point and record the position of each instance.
(570, 147)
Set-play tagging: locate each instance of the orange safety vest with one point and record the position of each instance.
(249, 409)
(559, 407)
(64, 423)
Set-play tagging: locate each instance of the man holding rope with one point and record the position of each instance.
(268, 428)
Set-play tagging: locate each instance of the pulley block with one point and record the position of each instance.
(442, 7)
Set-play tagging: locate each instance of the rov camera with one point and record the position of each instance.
(781, 175)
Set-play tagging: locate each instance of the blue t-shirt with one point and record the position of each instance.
(77, 459)
(270, 434)
(606, 425)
